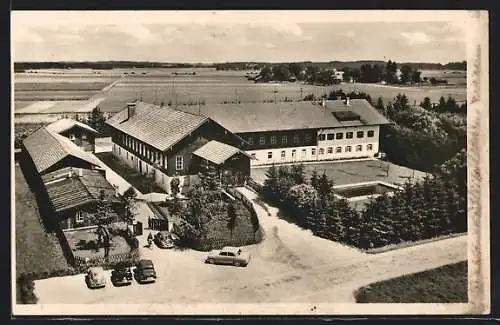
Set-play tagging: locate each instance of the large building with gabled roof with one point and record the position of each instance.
(171, 143)
(288, 132)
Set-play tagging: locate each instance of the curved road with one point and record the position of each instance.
(289, 265)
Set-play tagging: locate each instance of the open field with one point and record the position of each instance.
(207, 86)
(36, 250)
(447, 284)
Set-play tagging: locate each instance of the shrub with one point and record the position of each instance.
(26, 287)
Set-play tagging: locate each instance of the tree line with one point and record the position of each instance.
(432, 207)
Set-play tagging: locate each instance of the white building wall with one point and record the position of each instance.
(324, 150)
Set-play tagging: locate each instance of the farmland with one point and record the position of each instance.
(207, 86)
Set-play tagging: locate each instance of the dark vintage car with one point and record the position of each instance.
(163, 239)
(121, 275)
(145, 272)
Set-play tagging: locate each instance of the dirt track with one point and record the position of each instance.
(289, 265)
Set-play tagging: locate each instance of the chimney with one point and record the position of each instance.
(347, 102)
(130, 110)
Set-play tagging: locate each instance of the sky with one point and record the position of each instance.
(206, 37)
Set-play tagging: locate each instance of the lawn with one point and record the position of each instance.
(118, 244)
(447, 284)
(344, 172)
(140, 182)
(36, 250)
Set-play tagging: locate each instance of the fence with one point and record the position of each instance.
(129, 257)
(212, 243)
(157, 224)
(253, 185)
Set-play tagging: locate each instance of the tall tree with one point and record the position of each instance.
(406, 73)
(97, 120)
(209, 177)
(426, 103)
(129, 197)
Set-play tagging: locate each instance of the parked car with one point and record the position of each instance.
(121, 275)
(228, 255)
(163, 239)
(95, 278)
(145, 272)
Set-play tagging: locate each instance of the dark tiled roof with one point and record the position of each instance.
(161, 127)
(66, 192)
(46, 148)
(254, 117)
(217, 152)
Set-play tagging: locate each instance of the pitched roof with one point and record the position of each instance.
(255, 117)
(67, 191)
(161, 127)
(46, 148)
(65, 124)
(217, 152)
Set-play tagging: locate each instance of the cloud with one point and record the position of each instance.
(416, 37)
(137, 31)
(25, 35)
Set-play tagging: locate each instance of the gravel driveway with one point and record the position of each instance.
(289, 265)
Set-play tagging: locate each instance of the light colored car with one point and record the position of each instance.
(163, 239)
(95, 277)
(228, 255)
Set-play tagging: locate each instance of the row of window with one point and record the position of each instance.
(321, 151)
(139, 147)
(308, 137)
(284, 139)
(179, 160)
(348, 135)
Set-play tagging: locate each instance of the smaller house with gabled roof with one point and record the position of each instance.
(49, 151)
(79, 133)
(73, 194)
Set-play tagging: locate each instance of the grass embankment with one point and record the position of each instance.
(446, 284)
(37, 252)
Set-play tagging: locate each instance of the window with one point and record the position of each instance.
(321, 151)
(269, 155)
(321, 137)
(273, 139)
(79, 217)
(119, 150)
(262, 140)
(308, 138)
(330, 150)
(294, 153)
(296, 139)
(338, 149)
(71, 136)
(84, 136)
(253, 156)
(179, 163)
(348, 135)
(340, 135)
(369, 147)
(127, 154)
(360, 134)
(250, 140)
(330, 136)
(284, 139)
(313, 151)
(348, 149)
(359, 147)
(303, 153)
(283, 154)
(370, 133)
